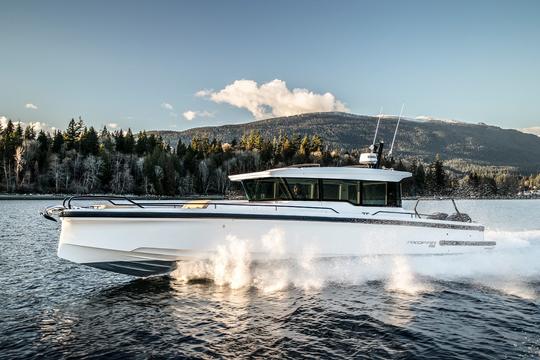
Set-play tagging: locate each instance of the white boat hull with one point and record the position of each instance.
(148, 246)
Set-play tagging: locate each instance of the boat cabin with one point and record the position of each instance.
(355, 185)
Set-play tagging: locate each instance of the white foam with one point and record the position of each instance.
(231, 264)
(402, 278)
(508, 268)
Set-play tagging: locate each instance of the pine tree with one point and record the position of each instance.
(43, 149)
(287, 149)
(29, 133)
(181, 149)
(119, 141)
(58, 142)
(267, 153)
(106, 141)
(420, 179)
(89, 142)
(316, 143)
(72, 134)
(10, 141)
(129, 142)
(436, 177)
(142, 143)
(304, 149)
(18, 137)
(151, 144)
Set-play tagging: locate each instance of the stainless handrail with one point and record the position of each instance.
(51, 211)
(110, 199)
(451, 199)
(412, 214)
(415, 206)
(455, 207)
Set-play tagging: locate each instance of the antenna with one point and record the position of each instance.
(395, 132)
(372, 147)
(373, 158)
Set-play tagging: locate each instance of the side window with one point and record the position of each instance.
(374, 193)
(341, 190)
(303, 189)
(265, 189)
(394, 194)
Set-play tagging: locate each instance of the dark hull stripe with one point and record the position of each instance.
(182, 215)
(136, 268)
(466, 243)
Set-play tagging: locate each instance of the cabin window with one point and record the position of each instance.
(341, 190)
(266, 189)
(303, 189)
(394, 194)
(364, 193)
(374, 193)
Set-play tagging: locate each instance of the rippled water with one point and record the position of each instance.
(470, 306)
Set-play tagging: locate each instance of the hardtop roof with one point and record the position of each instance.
(338, 173)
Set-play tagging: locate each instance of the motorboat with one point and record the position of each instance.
(335, 211)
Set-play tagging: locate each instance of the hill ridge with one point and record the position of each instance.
(478, 144)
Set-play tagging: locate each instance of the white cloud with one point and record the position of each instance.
(167, 106)
(113, 125)
(31, 106)
(203, 93)
(38, 126)
(190, 114)
(170, 108)
(273, 99)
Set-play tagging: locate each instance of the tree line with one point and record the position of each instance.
(81, 159)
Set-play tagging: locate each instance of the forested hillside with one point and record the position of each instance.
(462, 143)
(84, 160)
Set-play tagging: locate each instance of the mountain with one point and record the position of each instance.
(477, 144)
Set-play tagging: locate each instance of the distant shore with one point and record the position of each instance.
(217, 197)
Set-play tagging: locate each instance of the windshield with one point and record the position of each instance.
(266, 189)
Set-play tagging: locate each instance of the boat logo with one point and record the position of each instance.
(431, 244)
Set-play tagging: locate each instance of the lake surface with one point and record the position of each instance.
(466, 306)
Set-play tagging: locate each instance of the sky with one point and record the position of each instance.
(181, 64)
